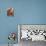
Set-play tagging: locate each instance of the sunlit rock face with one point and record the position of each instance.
(10, 12)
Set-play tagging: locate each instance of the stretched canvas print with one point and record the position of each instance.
(10, 12)
(31, 33)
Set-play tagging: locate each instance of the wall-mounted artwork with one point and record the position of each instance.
(10, 12)
(33, 32)
(11, 38)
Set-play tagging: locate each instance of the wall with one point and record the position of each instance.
(27, 12)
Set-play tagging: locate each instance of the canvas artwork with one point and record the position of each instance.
(11, 38)
(10, 12)
(29, 34)
(33, 32)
